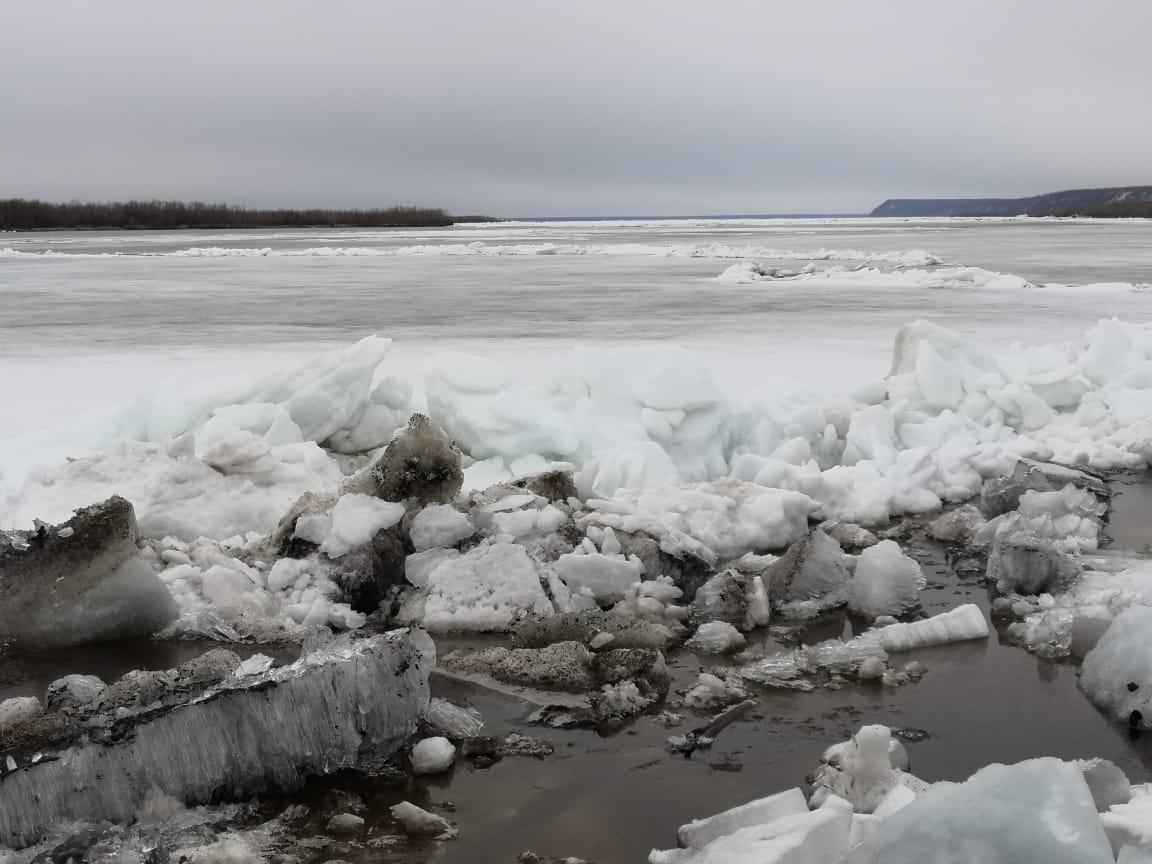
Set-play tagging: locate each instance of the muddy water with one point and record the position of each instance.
(610, 798)
(1130, 519)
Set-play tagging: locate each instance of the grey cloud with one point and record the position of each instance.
(523, 108)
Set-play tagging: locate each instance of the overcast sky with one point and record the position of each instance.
(581, 107)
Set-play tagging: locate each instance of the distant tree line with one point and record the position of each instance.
(1116, 210)
(18, 214)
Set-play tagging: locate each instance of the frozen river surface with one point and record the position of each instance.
(90, 318)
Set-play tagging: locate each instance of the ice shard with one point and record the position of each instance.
(353, 699)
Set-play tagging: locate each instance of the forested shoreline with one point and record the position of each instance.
(1115, 210)
(18, 214)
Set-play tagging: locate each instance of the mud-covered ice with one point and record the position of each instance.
(81, 581)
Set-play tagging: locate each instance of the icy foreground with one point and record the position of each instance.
(250, 734)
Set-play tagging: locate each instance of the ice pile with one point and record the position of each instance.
(221, 595)
(632, 421)
(213, 462)
(1071, 621)
(867, 809)
(671, 475)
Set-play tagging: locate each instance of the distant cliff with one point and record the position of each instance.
(1118, 201)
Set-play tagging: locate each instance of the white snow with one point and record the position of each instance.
(480, 248)
(219, 594)
(353, 522)
(605, 577)
(1130, 824)
(632, 420)
(175, 492)
(485, 590)
(418, 565)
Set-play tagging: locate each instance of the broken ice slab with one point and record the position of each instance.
(353, 699)
(700, 832)
(956, 625)
(452, 721)
(1057, 476)
(1039, 810)
(1002, 494)
(813, 836)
